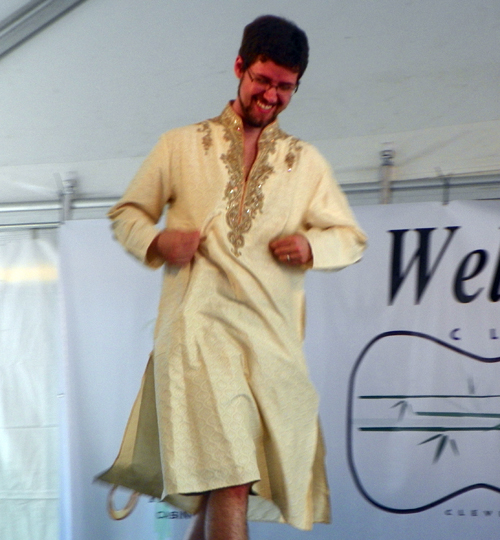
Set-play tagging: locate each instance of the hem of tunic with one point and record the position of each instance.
(260, 509)
(138, 467)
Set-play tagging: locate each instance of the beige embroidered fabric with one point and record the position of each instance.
(226, 398)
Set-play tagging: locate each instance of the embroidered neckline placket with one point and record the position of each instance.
(245, 199)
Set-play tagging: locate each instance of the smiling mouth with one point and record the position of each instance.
(264, 106)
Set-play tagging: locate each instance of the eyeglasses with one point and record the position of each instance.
(266, 84)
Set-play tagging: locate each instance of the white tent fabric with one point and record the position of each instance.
(110, 303)
(29, 354)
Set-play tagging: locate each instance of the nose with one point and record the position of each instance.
(271, 94)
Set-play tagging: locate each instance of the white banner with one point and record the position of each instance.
(402, 348)
(409, 377)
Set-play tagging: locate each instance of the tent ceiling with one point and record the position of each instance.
(20, 19)
(93, 92)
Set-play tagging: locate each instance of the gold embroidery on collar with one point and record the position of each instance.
(206, 141)
(293, 152)
(245, 199)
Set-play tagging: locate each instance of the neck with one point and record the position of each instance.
(249, 131)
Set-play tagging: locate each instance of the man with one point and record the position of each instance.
(226, 422)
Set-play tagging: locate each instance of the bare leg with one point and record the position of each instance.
(196, 529)
(226, 514)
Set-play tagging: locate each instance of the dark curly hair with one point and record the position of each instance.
(273, 38)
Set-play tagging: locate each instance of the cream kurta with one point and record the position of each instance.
(226, 398)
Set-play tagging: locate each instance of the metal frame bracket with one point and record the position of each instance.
(67, 194)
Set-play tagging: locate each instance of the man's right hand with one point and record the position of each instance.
(176, 247)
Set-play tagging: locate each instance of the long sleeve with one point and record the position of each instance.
(136, 214)
(330, 227)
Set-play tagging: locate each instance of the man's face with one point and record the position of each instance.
(259, 104)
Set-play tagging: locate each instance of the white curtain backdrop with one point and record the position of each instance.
(29, 384)
(408, 403)
(110, 304)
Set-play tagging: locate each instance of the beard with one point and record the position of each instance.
(250, 118)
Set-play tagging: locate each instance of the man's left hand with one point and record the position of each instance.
(293, 250)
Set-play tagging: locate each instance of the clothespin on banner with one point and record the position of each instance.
(446, 186)
(385, 173)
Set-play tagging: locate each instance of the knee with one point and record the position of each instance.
(235, 492)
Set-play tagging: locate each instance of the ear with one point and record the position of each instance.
(238, 67)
